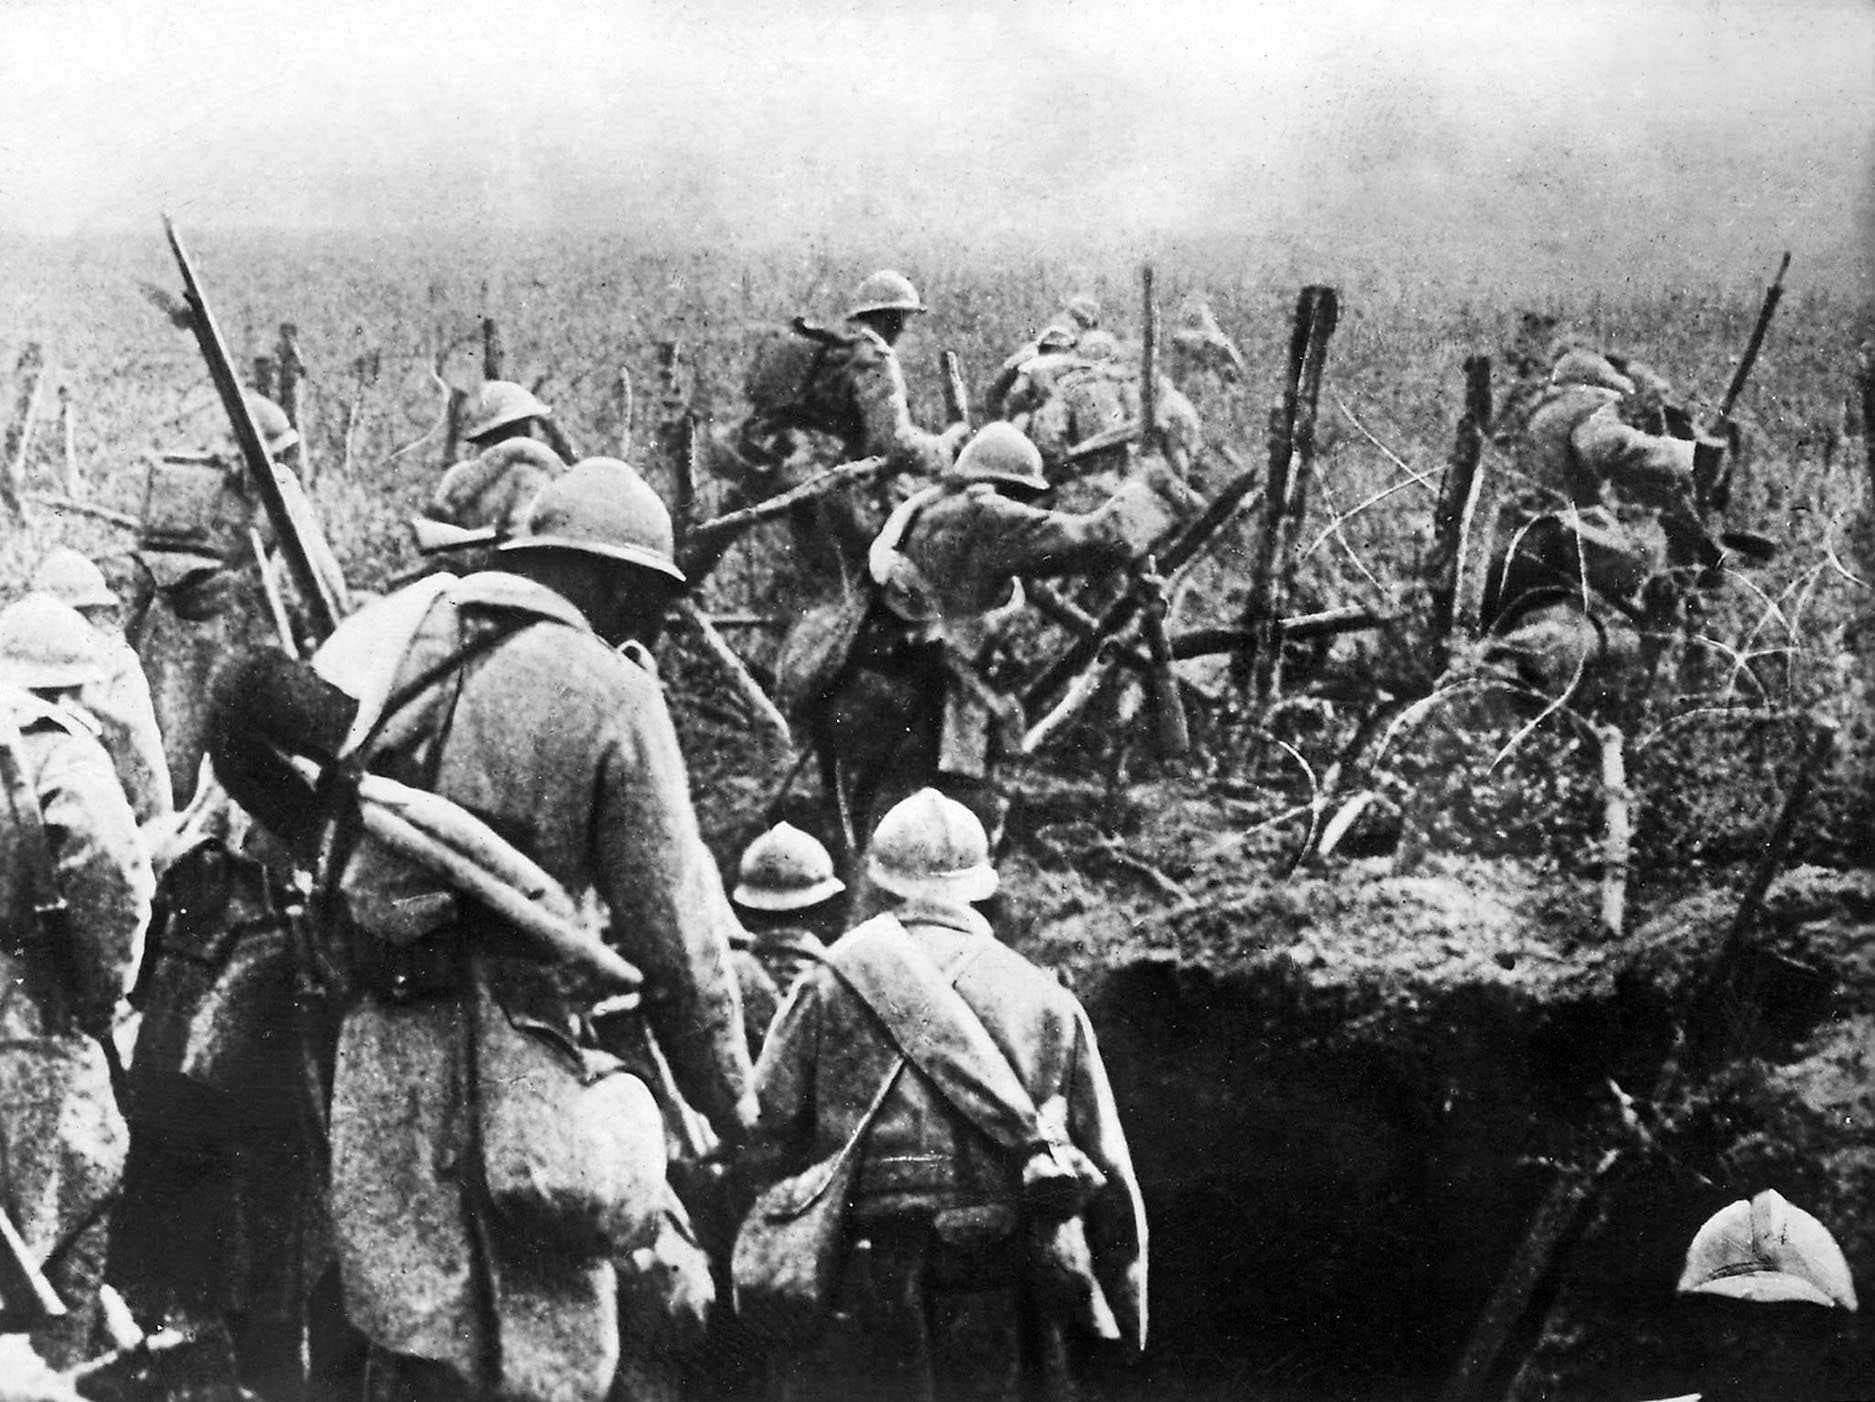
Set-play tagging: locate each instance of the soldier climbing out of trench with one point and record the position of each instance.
(791, 905)
(905, 703)
(819, 397)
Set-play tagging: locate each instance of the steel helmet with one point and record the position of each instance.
(277, 433)
(1585, 367)
(786, 869)
(1056, 338)
(497, 404)
(1099, 345)
(1000, 453)
(72, 578)
(1085, 311)
(930, 845)
(601, 506)
(1769, 1251)
(45, 644)
(886, 291)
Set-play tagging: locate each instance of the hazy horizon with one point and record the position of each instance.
(1595, 143)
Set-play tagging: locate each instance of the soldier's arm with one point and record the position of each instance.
(122, 705)
(102, 871)
(668, 907)
(885, 412)
(1651, 470)
(1116, 1217)
(1003, 537)
(784, 1076)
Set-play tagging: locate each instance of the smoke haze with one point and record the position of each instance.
(1656, 141)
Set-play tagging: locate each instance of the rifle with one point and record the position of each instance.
(27, 1299)
(314, 593)
(1712, 474)
(956, 401)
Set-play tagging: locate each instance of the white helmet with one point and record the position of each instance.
(930, 845)
(1767, 1250)
(277, 433)
(45, 644)
(602, 507)
(72, 578)
(1000, 452)
(786, 869)
(886, 291)
(496, 405)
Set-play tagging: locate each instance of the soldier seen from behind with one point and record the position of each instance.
(792, 906)
(527, 697)
(994, 1227)
(1079, 316)
(75, 889)
(192, 586)
(121, 702)
(819, 397)
(492, 489)
(1763, 1296)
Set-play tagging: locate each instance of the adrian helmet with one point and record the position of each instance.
(497, 404)
(931, 845)
(45, 644)
(886, 291)
(1000, 453)
(601, 506)
(1767, 1250)
(277, 433)
(72, 578)
(785, 869)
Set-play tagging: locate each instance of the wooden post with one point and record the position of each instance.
(292, 373)
(30, 372)
(1617, 830)
(1291, 451)
(1148, 365)
(625, 408)
(494, 354)
(1455, 566)
(263, 377)
(68, 432)
(1865, 379)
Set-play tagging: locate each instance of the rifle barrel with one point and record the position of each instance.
(1772, 296)
(313, 591)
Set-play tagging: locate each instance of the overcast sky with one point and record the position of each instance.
(1726, 130)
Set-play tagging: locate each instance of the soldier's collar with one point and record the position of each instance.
(950, 915)
(501, 590)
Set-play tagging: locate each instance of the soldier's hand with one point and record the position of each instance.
(952, 440)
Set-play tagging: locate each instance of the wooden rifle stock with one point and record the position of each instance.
(315, 595)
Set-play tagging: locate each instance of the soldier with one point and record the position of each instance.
(121, 703)
(1609, 508)
(1065, 406)
(193, 588)
(788, 899)
(995, 1218)
(821, 397)
(911, 705)
(493, 489)
(1763, 1293)
(539, 686)
(75, 890)
(1080, 316)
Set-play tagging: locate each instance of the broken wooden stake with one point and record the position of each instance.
(1455, 565)
(30, 370)
(292, 374)
(1617, 830)
(68, 435)
(494, 353)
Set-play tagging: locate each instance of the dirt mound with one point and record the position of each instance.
(1349, 1091)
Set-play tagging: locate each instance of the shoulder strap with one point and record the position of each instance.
(938, 1032)
(40, 871)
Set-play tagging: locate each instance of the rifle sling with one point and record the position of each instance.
(40, 868)
(938, 1032)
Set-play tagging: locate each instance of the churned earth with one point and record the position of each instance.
(1349, 1089)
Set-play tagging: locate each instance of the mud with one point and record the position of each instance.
(1349, 1091)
